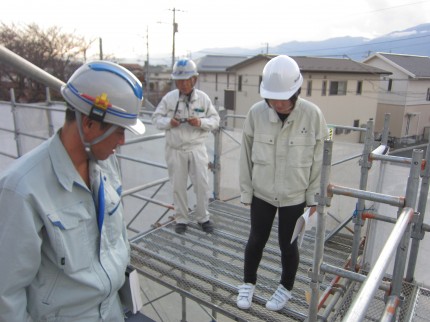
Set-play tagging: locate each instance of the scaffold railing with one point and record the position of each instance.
(335, 281)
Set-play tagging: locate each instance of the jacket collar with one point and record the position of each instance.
(273, 116)
(192, 97)
(63, 166)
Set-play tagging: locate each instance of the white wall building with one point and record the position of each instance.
(345, 90)
(214, 78)
(404, 94)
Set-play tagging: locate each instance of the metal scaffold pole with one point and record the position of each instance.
(417, 233)
(323, 200)
(362, 300)
(27, 68)
(366, 164)
(410, 201)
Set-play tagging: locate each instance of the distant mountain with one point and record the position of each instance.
(411, 41)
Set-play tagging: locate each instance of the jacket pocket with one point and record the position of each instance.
(69, 237)
(113, 214)
(301, 151)
(263, 149)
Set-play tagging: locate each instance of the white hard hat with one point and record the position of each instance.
(184, 69)
(281, 78)
(106, 92)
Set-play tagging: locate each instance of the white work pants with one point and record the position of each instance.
(194, 164)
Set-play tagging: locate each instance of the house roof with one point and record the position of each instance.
(319, 64)
(217, 63)
(414, 66)
(159, 69)
(132, 67)
(136, 69)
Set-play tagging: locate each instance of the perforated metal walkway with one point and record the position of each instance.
(208, 268)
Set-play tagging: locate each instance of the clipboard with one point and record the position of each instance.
(299, 229)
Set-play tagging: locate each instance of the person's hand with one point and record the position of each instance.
(174, 122)
(194, 121)
(312, 211)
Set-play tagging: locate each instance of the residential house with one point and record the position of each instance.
(404, 94)
(136, 69)
(345, 90)
(214, 78)
(157, 82)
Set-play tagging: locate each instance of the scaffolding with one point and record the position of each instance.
(335, 282)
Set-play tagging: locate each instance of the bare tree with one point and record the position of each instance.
(58, 53)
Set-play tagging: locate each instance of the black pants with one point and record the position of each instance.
(262, 216)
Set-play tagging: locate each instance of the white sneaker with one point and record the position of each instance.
(278, 299)
(244, 298)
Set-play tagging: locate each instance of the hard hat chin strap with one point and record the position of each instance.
(87, 145)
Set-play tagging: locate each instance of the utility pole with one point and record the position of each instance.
(267, 47)
(101, 48)
(175, 30)
(147, 77)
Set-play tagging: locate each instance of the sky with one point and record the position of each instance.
(131, 28)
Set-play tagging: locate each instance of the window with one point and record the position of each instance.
(216, 82)
(337, 88)
(428, 94)
(390, 85)
(356, 123)
(229, 99)
(359, 87)
(309, 88)
(324, 88)
(239, 83)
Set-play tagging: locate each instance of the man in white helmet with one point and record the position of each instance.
(280, 165)
(64, 248)
(187, 115)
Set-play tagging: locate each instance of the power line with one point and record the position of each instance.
(393, 7)
(355, 14)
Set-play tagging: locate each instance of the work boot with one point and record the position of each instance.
(207, 226)
(244, 298)
(180, 228)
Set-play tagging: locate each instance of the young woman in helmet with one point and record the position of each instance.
(187, 115)
(63, 232)
(280, 163)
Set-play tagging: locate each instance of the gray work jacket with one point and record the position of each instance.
(55, 264)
